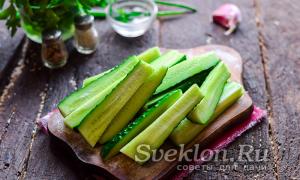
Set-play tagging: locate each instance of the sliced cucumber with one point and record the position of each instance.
(155, 134)
(187, 69)
(185, 85)
(135, 103)
(76, 117)
(81, 96)
(91, 79)
(186, 131)
(154, 101)
(134, 128)
(196, 79)
(231, 93)
(147, 56)
(168, 59)
(212, 89)
(99, 118)
(150, 55)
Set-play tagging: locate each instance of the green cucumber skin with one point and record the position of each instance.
(150, 55)
(196, 79)
(177, 73)
(168, 59)
(75, 118)
(82, 95)
(186, 131)
(100, 117)
(147, 56)
(212, 89)
(154, 101)
(172, 56)
(113, 147)
(135, 103)
(91, 79)
(184, 86)
(155, 134)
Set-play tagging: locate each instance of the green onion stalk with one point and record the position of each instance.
(182, 9)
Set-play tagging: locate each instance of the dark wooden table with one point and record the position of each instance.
(268, 40)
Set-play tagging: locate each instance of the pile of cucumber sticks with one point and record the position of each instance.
(149, 98)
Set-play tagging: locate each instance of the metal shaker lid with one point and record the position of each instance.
(51, 35)
(83, 22)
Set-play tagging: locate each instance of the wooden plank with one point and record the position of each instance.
(19, 109)
(113, 48)
(195, 30)
(9, 51)
(43, 160)
(281, 46)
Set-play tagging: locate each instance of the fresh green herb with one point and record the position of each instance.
(171, 13)
(126, 17)
(38, 15)
(97, 14)
(176, 5)
(11, 16)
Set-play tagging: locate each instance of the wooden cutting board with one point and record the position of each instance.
(123, 167)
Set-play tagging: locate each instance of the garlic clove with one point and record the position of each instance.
(228, 16)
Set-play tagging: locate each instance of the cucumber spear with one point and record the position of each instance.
(155, 134)
(212, 89)
(187, 130)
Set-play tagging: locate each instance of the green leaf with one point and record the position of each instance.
(1, 3)
(4, 14)
(12, 21)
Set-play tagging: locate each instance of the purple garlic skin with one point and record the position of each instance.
(228, 16)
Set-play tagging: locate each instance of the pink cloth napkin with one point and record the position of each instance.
(256, 117)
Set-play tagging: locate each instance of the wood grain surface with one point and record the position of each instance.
(267, 40)
(280, 31)
(123, 167)
(10, 50)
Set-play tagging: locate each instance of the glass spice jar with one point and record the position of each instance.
(54, 52)
(86, 35)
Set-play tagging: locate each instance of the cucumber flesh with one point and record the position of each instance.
(186, 131)
(100, 117)
(168, 59)
(185, 85)
(153, 56)
(147, 56)
(135, 103)
(134, 128)
(150, 55)
(76, 117)
(154, 101)
(196, 79)
(187, 69)
(232, 92)
(155, 134)
(91, 79)
(82, 95)
(212, 89)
